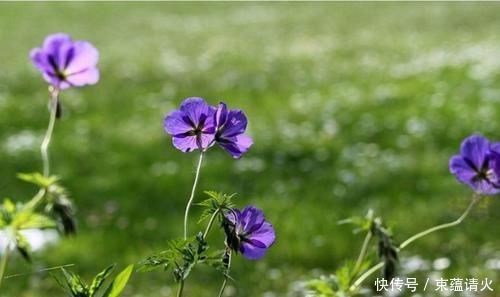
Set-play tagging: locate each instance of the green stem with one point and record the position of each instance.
(362, 254)
(369, 272)
(372, 270)
(48, 134)
(33, 203)
(443, 226)
(210, 223)
(3, 262)
(193, 191)
(224, 283)
(181, 288)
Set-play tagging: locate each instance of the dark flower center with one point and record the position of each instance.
(485, 173)
(57, 72)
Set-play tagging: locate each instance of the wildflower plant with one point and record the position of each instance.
(64, 63)
(477, 166)
(196, 125)
(75, 286)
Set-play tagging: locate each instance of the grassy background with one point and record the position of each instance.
(351, 106)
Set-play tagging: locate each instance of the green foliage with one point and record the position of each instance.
(119, 283)
(344, 118)
(387, 250)
(216, 203)
(181, 257)
(15, 218)
(76, 287)
(57, 203)
(99, 279)
(38, 179)
(337, 284)
(361, 223)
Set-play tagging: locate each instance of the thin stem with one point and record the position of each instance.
(50, 129)
(193, 191)
(362, 253)
(210, 223)
(443, 226)
(181, 288)
(224, 283)
(33, 203)
(369, 272)
(372, 270)
(3, 262)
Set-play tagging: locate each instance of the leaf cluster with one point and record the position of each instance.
(74, 286)
(57, 203)
(15, 218)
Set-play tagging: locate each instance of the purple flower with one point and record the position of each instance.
(66, 63)
(192, 126)
(231, 126)
(248, 232)
(478, 165)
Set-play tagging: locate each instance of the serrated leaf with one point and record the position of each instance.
(99, 280)
(215, 203)
(38, 179)
(119, 283)
(75, 284)
(30, 220)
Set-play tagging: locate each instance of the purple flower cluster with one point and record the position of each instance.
(66, 63)
(197, 125)
(248, 232)
(478, 165)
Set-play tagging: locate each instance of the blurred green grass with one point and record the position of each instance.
(352, 106)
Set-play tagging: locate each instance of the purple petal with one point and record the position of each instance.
(89, 76)
(221, 114)
(237, 145)
(174, 123)
(251, 219)
(233, 216)
(52, 79)
(235, 124)
(85, 56)
(186, 144)
(40, 61)
(58, 49)
(252, 252)
(197, 110)
(258, 245)
(264, 234)
(462, 170)
(475, 148)
(205, 141)
(495, 147)
(484, 187)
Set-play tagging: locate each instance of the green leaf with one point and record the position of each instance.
(216, 202)
(75, 284)
(361, 223)
(30, 220)
(119, 283)
(38, 179)
(99, 280)
(23, 246)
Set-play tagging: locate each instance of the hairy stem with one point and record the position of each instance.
(443, 226)
(362, 253)
(48, 134)
(210, 223)
(193, 191)
(226, 275)
(181, 288)
(3, 261)
(405, 243)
